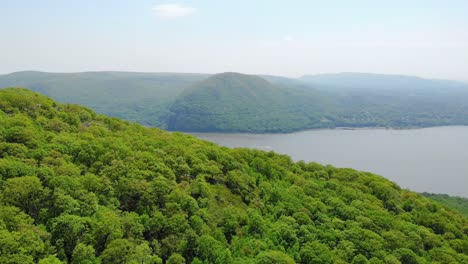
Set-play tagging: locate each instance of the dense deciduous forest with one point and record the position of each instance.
(79, 187)
(233, 102)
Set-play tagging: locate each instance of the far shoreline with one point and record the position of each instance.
(316, 129)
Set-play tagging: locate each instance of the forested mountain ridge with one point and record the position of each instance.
(78, 187)
(209, 103)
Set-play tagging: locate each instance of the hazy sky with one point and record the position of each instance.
(427, 38)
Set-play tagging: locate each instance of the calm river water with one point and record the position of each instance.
(423, 160)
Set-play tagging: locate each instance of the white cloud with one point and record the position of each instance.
(169, 11)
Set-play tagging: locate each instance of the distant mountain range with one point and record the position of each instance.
(383, 83)
(234, 102)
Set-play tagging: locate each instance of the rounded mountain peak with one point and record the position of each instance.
(235, 79)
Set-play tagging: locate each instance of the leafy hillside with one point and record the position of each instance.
(78, 187)
(134, 96)
(233, 102)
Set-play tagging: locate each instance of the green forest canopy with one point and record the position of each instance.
(78, 187)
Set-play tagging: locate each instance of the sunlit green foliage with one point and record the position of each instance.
(95, 189)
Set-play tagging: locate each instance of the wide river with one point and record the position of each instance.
(423, 160)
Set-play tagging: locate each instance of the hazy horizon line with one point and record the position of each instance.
(246, 73)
